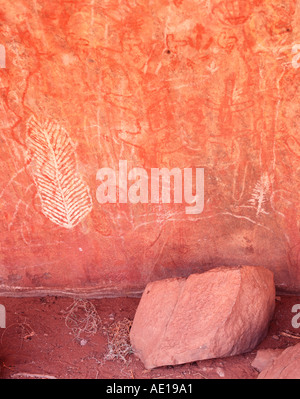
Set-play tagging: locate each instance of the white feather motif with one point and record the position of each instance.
(64, 196)
(259, 194)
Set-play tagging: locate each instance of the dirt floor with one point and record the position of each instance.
(65, 338)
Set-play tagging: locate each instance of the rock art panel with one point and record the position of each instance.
(167, 85)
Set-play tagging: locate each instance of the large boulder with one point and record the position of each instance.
(223, 312)
(285, 366)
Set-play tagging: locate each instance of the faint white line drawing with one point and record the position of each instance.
(65, 198)
(296, 58)
(212, 68)
(259, 194)
(2, 56)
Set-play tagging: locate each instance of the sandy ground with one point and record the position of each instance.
(60, 338)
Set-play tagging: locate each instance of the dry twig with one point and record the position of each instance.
(27, 375)
(290, 335)
(118, 346)
(26, 329)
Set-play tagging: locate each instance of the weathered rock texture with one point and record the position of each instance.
(265, 358)
(223, 312)
(169, 84)
(285, 366)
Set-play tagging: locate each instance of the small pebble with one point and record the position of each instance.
(275, 337)
(220, 372)
(111, 316)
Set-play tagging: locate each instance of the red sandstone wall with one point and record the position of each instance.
(167, 83)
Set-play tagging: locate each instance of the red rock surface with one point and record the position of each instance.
(265, 358)
(284, 367)
(219, 313)
(171, 83)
